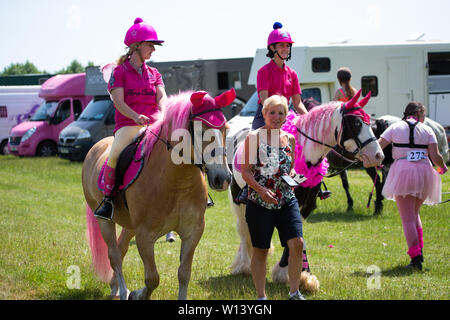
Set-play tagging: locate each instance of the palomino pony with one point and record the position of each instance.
(378, 127)
(336, 123)
(167, 195)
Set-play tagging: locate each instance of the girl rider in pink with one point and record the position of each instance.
(276, 77)
(137, 91)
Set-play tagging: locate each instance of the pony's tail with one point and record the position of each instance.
(99, 249)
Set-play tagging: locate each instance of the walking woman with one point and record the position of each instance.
(276, 77)
(346, 91)
(137, 91)
(269, 155)
(412, 180)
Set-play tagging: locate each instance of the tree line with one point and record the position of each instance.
(29, 68)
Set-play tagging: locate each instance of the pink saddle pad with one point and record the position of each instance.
(137, 163)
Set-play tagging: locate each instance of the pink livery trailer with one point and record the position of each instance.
(64, 101)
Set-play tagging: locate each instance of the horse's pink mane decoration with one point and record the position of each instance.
(316, 123)
(177, 112)
(311, 124)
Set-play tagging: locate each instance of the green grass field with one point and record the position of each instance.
(44, 249)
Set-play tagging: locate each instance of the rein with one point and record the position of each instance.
(360, 145)
(338, 138)
(169, 145)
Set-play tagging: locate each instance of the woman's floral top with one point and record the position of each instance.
(272, 163)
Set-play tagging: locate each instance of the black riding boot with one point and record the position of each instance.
(106, 209)
(415, 263)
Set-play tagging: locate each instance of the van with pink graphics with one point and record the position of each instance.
(64, 101)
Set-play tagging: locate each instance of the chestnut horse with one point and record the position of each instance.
(336, 123)
(169, 194)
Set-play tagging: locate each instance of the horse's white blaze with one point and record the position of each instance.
(372, 154)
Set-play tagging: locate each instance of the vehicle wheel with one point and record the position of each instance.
(4, 147)
(46, 149)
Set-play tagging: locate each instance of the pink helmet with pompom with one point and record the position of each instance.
(278, 35)
(141, 31)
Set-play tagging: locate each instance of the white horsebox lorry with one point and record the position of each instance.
(17, 104)
(394, 73)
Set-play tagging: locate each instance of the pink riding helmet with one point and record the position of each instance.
(278, 35)
(141, 31)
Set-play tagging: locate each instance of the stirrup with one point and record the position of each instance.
(210, 203)
(324, 194)
(170, 237)
(105, 209)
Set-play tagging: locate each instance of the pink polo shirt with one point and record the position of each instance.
(398, 132)
(278, 80)
(139, 91)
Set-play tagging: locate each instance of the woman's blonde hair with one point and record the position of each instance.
(275, 100)
(130, 51)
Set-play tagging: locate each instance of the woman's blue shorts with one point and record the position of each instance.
(262, 221)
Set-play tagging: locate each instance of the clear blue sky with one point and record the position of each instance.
(51, 33)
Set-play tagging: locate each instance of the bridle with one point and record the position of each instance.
(192, 116)
(221, 151)
(338, 135)
(360, 145)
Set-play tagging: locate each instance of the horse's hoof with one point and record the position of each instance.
(378, 211)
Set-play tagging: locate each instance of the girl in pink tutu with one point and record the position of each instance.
(412, 180)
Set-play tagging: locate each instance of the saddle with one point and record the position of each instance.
(130, 162)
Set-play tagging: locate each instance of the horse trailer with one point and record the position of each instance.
(394, 73)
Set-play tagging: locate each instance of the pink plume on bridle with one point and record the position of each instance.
(351, 103)
(360, 111)
(364, 100)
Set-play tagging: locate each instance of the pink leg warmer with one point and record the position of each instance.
(110, 178)
(414, 251)
(420, 235)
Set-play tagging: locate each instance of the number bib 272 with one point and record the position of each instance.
(416, 155)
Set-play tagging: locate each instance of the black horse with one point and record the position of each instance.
(338, 165)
